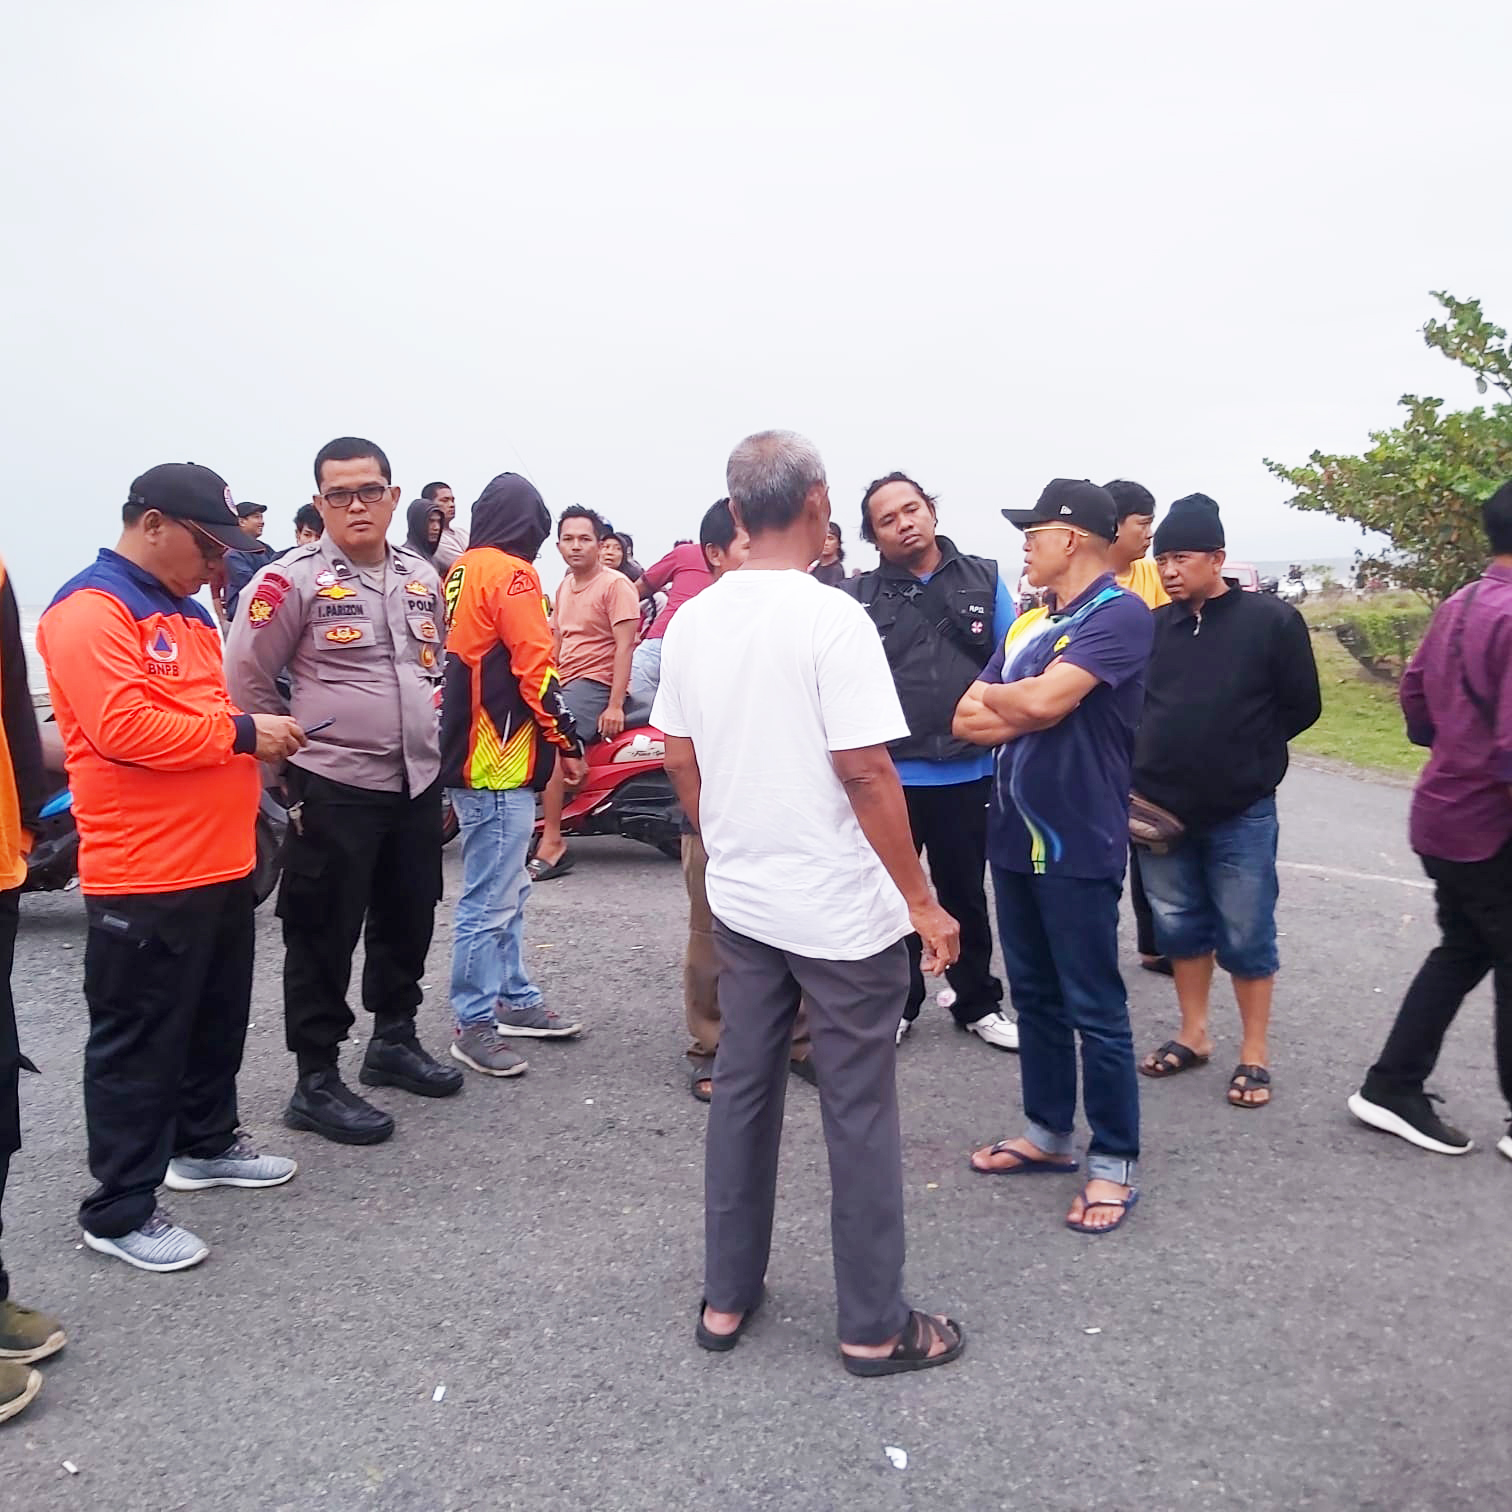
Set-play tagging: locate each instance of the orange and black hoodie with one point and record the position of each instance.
(502, 716)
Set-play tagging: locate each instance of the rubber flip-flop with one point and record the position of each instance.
(546, 871)
(701, 1084)
(1027, 1166)
(1126, 1203)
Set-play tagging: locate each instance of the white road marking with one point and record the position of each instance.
(1355, 876)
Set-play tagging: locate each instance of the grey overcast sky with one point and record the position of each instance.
(598, 243)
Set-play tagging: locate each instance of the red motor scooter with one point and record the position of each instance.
(626, 792)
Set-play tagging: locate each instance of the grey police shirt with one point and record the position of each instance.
(362, 648)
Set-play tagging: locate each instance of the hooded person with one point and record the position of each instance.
(424, 522)
(503, 729)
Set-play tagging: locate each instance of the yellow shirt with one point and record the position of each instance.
(1143, 578)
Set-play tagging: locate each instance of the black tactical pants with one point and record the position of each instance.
(352, 856)
(168, 979)
(11, 1059)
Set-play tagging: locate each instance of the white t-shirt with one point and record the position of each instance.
(767, 673)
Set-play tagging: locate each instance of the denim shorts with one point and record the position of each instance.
(1215, 892)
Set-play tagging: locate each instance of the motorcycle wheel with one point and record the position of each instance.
(451, 826)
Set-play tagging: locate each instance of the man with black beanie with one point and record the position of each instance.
(1231, 680)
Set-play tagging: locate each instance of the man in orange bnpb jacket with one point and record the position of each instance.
(165, 791)
(503, 727)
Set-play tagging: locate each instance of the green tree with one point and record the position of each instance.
(1420, 485)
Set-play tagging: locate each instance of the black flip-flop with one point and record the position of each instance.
(545, 871)
(1027, 1164)
(719, 1343)
(1255, 1076)
(700, 1075)
(911, 1352)
(1083, 1227)
(1184, 1056)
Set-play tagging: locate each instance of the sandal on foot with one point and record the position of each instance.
(701, 1084)
(911, 1352)
(1126, 1203)
(1171, 1060)
(1027, 1164)
(1252, 1077)
(546, 871)
(719, 1343)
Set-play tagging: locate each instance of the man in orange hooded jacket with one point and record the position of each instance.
(503, 728)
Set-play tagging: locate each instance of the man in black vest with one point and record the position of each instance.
(941, 615)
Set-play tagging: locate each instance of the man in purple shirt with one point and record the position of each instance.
(1457, 696)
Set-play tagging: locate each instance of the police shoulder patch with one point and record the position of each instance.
(264, 604)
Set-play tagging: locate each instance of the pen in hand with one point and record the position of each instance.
(315, 729)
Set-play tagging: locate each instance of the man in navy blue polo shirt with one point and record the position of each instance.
(1062, 700)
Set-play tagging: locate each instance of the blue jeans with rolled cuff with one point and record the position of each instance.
(1060, 948)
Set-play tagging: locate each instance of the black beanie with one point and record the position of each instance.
(1190, 524)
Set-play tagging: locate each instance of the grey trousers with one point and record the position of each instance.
(854, 1007)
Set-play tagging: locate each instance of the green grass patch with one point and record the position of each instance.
(1362, 721)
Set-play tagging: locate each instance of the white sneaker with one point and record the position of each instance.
(999, 1032)
(1504, 1144)
(904, 1025)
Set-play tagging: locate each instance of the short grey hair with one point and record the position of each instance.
(769, 476)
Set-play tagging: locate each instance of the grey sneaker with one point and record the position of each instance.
(239, 1166)
(159, 1245)
(480, 1047)
(535, 1023)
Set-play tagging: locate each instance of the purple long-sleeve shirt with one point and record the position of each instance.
(1457, 696)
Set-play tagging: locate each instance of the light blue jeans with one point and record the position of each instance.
(645, 673)
(488, 948)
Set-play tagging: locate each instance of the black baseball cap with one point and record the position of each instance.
(246, 509)
(1071, 501)
(189, 492)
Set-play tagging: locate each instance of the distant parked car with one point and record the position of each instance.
(1242, 575)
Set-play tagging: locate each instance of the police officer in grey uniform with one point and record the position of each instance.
(357, 626)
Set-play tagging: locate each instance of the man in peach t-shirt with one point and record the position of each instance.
(595, 617)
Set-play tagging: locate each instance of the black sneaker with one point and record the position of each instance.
(1410, 1116)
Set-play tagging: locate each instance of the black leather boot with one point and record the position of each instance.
(406, 1064)
(323, 1104)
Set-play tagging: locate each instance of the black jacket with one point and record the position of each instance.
(938, 637)
(1224, 692)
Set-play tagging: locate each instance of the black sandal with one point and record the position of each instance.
(1171, 1060)
(701, 1084)
(1252, 1077)
(911, 1352)
(719, 1343)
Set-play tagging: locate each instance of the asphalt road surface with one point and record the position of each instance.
(1300, 1314)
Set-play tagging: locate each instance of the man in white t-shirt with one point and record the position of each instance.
(777, 705)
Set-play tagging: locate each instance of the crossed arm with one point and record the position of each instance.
(992, 714)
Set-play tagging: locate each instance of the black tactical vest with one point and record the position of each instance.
(938, 637)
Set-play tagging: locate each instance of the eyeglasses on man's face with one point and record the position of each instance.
(368, 493)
